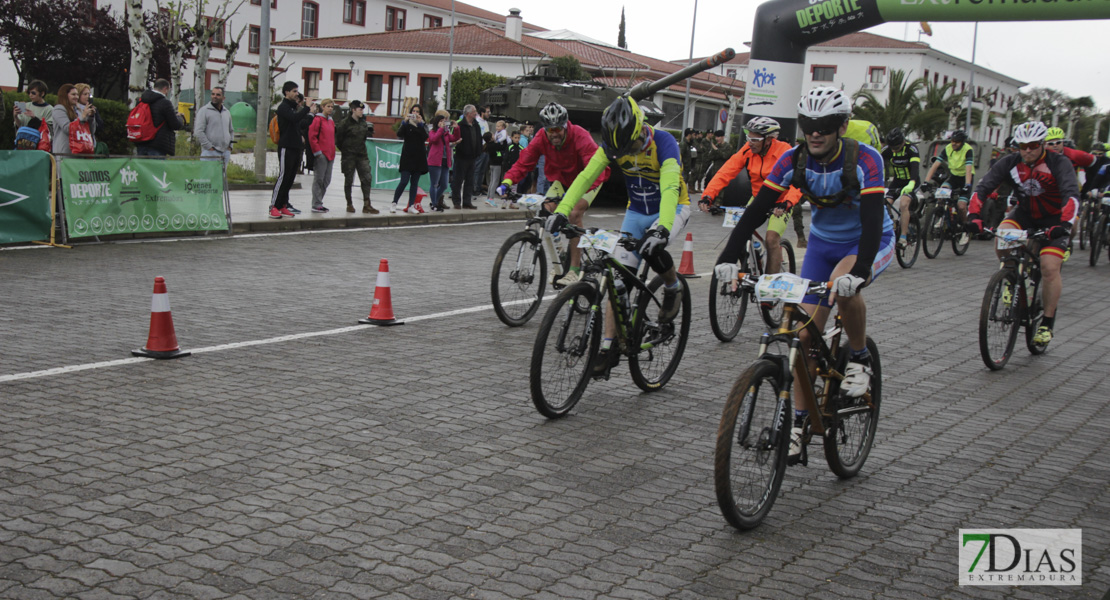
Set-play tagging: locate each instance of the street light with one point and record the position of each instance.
(352, 64)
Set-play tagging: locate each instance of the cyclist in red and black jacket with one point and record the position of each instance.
(1048, 191)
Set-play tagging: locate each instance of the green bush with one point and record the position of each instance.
(246, 145)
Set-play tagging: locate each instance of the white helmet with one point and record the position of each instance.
(1031, 131)
(763, 126)
(553, 115)
(823, 102)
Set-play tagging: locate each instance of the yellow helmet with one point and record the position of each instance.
(1054, 133)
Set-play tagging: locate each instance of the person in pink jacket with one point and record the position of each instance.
(443, 133)
(321, 141)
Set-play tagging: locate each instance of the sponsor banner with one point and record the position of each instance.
(138, 195)
(385, 161)
(828, 19)
(773, 89)
(992, 10)
(25, 212)
(1016, 557)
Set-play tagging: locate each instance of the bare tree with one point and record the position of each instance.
(178, 38)
(206, 28)
(141, 50)
(230, 50)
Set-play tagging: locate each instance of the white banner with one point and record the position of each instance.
(773, 89)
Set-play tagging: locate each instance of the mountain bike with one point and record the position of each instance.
(1100, 230)
(908, 255)
(727, 303)
(1012, 299)
(754, 433)
(943, 223)
(1089, 212)
(569, 336)
(520, 268)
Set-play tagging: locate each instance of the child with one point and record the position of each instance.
(493, 149)
(509, 158)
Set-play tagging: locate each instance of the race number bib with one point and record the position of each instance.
(1106, 200)
(732, 216)
(606, 241)
(531, 200)
(786, 287)
(1011, 238)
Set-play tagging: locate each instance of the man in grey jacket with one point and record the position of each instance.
(212, 129)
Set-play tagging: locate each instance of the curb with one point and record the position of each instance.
(387, 220)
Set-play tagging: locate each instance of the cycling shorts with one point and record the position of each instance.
(896, 187)
(1021, 219)
(823, 256)
(636, 224)
(775, 224)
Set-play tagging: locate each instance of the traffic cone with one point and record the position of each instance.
(381, 311)
(162, 341)
(686, 267)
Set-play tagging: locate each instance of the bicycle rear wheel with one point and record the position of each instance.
(519, 278)
(1098, 239)
(1035, 306)
(850, 429)
(752, 439)
(772, 314)
(999, 319)
(726, 308)
(660, 345)
(566, 344)
(934, 231)
(908, 255)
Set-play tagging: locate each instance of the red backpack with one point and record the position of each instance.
(44, 137)
(140, 125)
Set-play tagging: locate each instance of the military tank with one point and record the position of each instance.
(522, 98)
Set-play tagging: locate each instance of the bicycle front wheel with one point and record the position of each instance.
(566, 344)
(934, 232)
(752, 439)
(727, 304)
(999, 319)
(519, 278)
(1086, 222)
(1098, 239)
(660, 344)
(850, 429)
(908, 255)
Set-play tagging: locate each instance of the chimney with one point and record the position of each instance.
(514, 25)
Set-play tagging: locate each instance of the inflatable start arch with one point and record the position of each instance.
(784, 29)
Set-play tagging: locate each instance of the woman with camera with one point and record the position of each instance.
(444, 133)
(414, 158)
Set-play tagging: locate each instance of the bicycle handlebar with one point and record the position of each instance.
(821, 289)
(626, 240)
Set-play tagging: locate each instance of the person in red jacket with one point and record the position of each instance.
(566, 149)
(321, 141)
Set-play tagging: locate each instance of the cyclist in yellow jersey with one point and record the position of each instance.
(658, 203)
(959, 159)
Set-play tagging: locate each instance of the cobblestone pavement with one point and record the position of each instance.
(408, 462)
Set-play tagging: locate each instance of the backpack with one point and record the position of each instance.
(849, 180)
(140, 124)
(275, 133)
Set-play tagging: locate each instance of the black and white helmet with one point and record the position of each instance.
(553, 115)
(1031, 131)
(762, 126)
(824, 101)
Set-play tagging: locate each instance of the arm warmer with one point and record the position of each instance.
(871, 222)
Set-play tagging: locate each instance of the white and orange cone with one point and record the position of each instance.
(381, 311)
(686, 267)
(162, 341)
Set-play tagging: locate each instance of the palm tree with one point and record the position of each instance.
(937, 105)
(902, 104)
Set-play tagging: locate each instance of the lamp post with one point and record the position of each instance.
(971, 86)
(687, 121)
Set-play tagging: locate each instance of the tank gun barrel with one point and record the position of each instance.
(645, 89)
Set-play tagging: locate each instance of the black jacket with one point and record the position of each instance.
(470, 146)
(162, 111)
(289, 120)
(414, 156)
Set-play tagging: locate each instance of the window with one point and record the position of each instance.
(429, 84)
(217, 40)
(340, 81)
(876, 74)
(309, 19)
(374, 87)
(430, 21)
(312, 83)
(354, 11)
(273, 3)
(394, 18)
(254, 41)
(730, 73)
(396, 94)
(823, 72)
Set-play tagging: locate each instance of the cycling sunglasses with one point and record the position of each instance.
(1055, 143)
(551, 130)
(1029, 146)
(826, 125)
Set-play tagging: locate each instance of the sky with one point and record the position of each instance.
(1070, 58)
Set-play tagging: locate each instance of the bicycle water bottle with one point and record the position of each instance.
(756, 245)
(622, 291)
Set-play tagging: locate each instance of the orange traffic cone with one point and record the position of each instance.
(686, 267)
(381, 311)
(162, 341)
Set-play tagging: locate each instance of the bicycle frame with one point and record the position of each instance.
(1027, 265)
(604, 270)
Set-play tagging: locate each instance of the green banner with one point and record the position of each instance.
(385, 160)
(25, 213)
(992, 10)
(108, 196)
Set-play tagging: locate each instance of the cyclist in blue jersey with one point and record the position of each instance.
(658, 203)
(851, 236)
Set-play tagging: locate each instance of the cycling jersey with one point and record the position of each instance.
(904, 165)
(1049, 188)
(957, 161)
(758, 165)
(652, 177)
(864, 131)
(561, 164)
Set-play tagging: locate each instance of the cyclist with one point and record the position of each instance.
(758, 156)
(959, 160)
(1047, 200)
(566, 149)
(658, 203)
(851, 235)
(903, 162)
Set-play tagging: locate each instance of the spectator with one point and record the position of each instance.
(719, 153)
(309, 158)
(37, 107)
(212, 129)
(501, 133)
(443, 134)
(165, 118)
(481, 162)
(493, 151)
(509, 158)
(84, 92)
(321, 141)
(414, 158)
(467, 151)
(290, 148)
(65, 114)
(350, 138)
